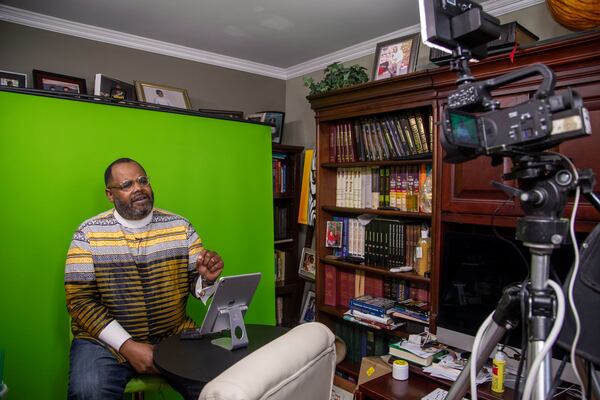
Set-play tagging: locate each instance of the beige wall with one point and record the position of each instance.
(23, 49)
(300, 118)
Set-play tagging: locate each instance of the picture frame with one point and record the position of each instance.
(308, 309)
(396, 57)
(113, 88)
(223, 113)
(162, 95)
(308, 266)
(333, 234)
(13, 79)
(54, 82)
(274, 118)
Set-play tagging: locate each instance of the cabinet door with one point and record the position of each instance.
(466, 187)
(585, 152)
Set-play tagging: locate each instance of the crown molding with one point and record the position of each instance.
(493, 7)
(59, 25)
(501, 7)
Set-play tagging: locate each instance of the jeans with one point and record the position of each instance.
(95, 374)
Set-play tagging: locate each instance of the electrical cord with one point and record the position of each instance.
(574, 276)
(560, 316)
(513, 245)
(523, 296)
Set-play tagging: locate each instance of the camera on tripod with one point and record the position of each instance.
(473, 123)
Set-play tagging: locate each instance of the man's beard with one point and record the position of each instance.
(129, 211)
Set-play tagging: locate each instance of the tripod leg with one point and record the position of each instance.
(491, 338)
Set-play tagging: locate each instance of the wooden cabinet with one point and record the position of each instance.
(462, 192)
(466, 187)
(287, 165)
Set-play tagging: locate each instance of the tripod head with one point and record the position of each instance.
(545, 181)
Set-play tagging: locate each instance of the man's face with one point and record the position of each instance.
(138, 201)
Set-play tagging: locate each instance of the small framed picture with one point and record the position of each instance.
(308, 309)
(58, 83)
(333, 234)
(162, 95)
(13, 79)
(396, 57)
(223, 113)
(113, 88)
(274, 118)
(308, 265)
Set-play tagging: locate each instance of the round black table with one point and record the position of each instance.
(199, 360)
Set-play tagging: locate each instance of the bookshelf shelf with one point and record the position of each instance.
(409, 276)
(339, 313)
(283, 196)
(282, 241)
(389, 213)
(426, 158)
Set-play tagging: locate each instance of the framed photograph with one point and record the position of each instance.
(333, 234)
(223, 113)
(308, 309)
(58, 83)
(113, 88)
(308, 265)
(396, 57)
(13, 79)
(274, 118)
(162, 95)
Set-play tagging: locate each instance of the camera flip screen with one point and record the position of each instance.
(463, 128)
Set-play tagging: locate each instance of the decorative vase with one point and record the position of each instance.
(576, 15)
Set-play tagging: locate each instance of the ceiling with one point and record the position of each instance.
(275, 35)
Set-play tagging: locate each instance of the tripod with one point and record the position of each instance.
(545, 181)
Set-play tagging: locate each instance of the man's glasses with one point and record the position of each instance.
(128, 184)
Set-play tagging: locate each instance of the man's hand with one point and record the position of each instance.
(209, 265)
(139, 356)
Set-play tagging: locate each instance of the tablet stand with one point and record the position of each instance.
(239, 338)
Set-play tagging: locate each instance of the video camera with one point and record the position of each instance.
(473, 123)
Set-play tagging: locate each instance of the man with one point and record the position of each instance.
(161, 99)
(127, 277)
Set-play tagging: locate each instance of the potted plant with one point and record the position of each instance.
(336, 77)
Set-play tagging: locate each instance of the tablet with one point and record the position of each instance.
(233, 294)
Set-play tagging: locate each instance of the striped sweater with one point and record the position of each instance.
(139, 277)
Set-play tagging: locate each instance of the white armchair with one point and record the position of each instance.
(297, 365)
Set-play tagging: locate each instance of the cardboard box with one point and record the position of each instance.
(373, 367)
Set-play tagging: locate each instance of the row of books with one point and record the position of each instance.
(372, 312)
(361, 341)
(279, 260)
(279, 175)
(384, 243)
(421, 355)
(343, 285)
(396, 188)
(281, 218)
(386, 137)
(385, 310)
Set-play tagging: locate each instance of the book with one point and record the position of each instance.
(378, 306)
(415, 354)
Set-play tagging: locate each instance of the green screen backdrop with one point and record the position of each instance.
(53, 153)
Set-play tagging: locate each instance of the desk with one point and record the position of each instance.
(418, 385)
(201, 361)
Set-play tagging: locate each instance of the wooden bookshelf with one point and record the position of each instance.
(375, 101)
(287, 195)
